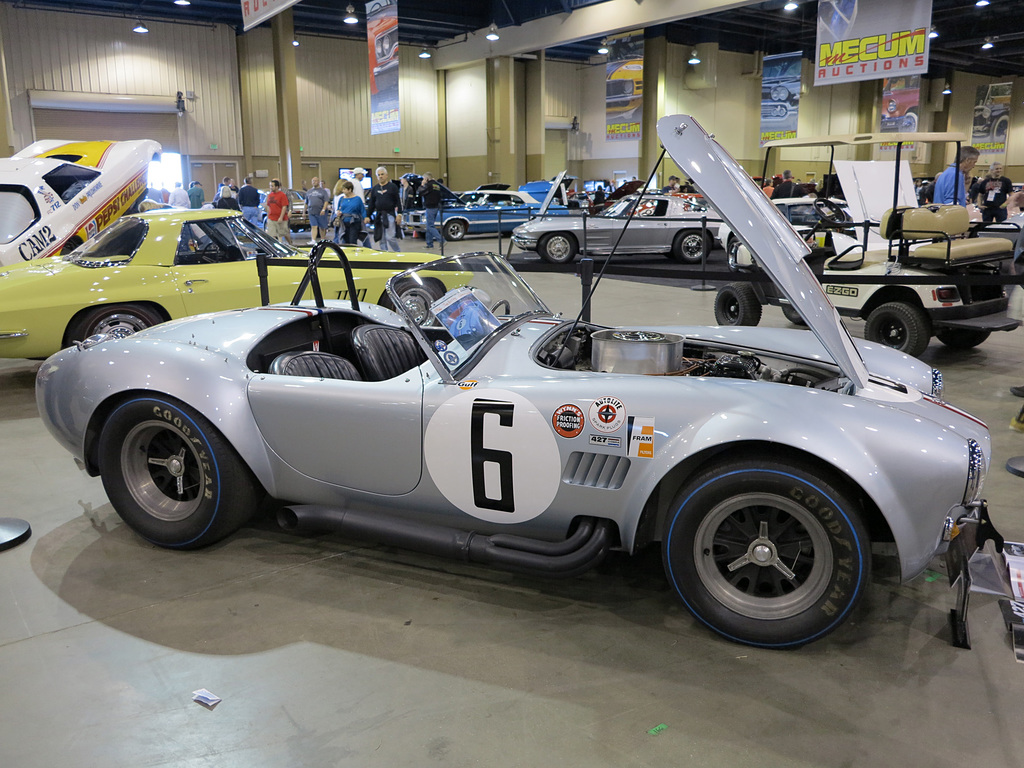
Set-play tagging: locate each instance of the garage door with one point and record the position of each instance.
(84, 125)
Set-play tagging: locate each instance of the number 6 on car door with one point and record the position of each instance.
(493, 455)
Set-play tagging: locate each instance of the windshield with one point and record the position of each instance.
(118, 242)
(485, 298)
(17, 212)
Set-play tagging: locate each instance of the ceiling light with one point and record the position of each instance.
(947, 90)
(604, 47)
(981, 3)
(492, 33)
(933, 34)
(694, 57)
(424, 54)
(350, 15)
(295, 43)
(140, 28)
(987, 44)
(182, 2)
(790, 6)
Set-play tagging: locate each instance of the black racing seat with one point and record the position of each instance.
(322, 364)
(384, 352)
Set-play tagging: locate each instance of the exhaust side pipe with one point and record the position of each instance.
(575, 555)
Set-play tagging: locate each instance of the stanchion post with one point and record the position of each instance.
(499, 230)
(703, 257)
(440, 217)
(586, 282)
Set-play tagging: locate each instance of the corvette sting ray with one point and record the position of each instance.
(763, 462)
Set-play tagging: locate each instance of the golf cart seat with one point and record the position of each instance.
(941, 234)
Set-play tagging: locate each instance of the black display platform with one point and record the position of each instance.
(12, 532)
(1015, 466)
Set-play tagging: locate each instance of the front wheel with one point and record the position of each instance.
(902, 326)
(737, 304)
(961, 338)
(73, 242)
(792, 315)
(557, 248)
(454, 229)
(766, 553)
(690, 247)
(118, 320)
(171, 476)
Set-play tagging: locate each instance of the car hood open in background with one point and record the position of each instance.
(773, 243)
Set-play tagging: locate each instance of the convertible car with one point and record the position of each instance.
(763, 466)
(56, 194)
(151, 267)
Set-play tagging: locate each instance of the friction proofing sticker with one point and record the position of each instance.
(568, 420)
(607, 414)
(641, 437)
(492, 455)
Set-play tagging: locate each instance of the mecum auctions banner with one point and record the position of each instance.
(871, 39)
(382, 38)
(991, 118)
(780, 96)
(624, 86)
(257, 11)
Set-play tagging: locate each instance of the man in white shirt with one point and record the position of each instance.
(179, 197)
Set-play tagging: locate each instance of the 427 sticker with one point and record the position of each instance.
(492, 454)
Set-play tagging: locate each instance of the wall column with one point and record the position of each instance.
(7, 148)
(289, 146)
(535, 118)
(655, 66)
(503, 108)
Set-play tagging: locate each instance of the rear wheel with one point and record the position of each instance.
(454, 229)
(961, 338)
(557, 247)
(171, 476)
(118, 320)
(902, 326)
(690, 247)
(417, 298)
(767, 553)
(737, 304)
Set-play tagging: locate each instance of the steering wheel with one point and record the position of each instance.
(830, 213)
(208, 254)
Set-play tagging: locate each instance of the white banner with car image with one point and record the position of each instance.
(382, 39)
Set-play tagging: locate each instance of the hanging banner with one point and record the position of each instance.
(901, 98)
(257, 11)
(991, 118)
(624, 86)
(780, 96)
(382, 38)
(871, 39)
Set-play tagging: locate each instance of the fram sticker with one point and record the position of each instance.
(607, 414)
(641, 437)
(568, 420)
(606, 440)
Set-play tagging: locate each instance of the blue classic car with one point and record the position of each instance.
(489, 211)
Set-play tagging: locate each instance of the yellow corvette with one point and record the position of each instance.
(151, 267)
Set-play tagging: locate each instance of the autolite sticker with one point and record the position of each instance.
(568, 420)
(607, 414)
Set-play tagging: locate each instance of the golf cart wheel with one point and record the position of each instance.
(961, 338)
(901, 326)
(792, 315)
(737, 304)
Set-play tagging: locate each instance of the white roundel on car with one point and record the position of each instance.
(493, 455)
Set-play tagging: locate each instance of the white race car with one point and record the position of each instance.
(55, 195)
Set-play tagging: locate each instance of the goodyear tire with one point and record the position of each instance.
(558, 248)
(690, 247)
(901, 326)
(766, 553)
(117, 320)
(171, 476)
(737, 304)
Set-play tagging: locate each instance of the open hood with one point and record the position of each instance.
(555, 186)
(772, 241)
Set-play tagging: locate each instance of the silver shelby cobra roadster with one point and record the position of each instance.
(762, 461)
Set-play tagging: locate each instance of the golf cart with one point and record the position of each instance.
(910, 272)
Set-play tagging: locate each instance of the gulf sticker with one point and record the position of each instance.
(469, 384)
(567, 420)
(607, 414)
(641, 437)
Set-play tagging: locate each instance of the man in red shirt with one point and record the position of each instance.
(277, 212)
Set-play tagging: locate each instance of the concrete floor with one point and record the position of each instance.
(328, 652)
